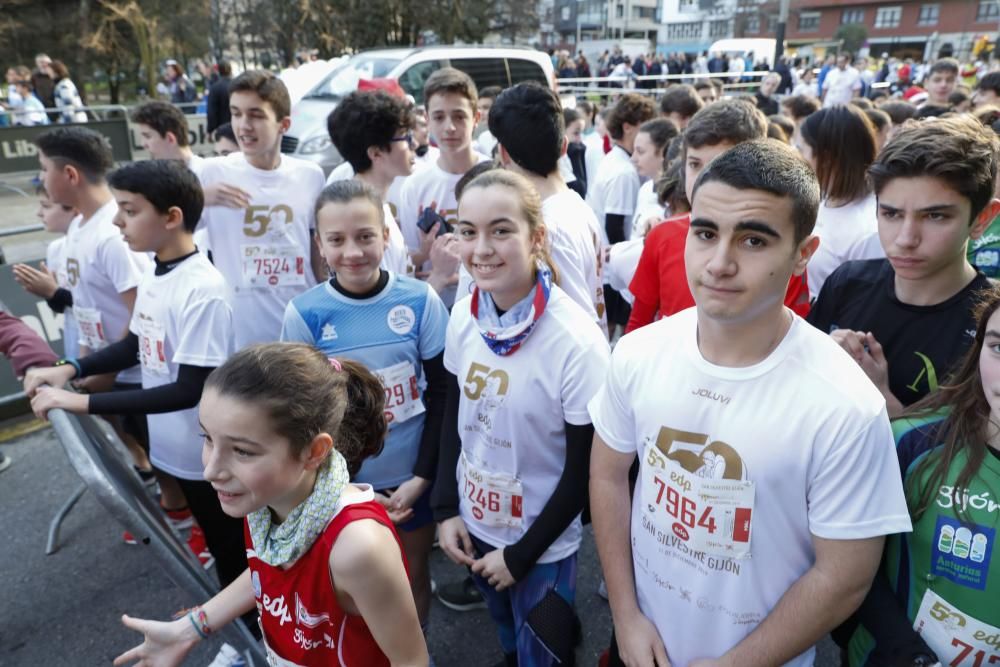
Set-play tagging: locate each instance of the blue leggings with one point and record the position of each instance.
(510, 608)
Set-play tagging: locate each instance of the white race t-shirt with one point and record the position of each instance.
(195, 164)
(342, 172)
(396, 257)
(840, 86)
(55, 261)
(264, 250)
(99, 267)
(181, 317)
(425, 186)
(511, 417)
(614, 190)
(486, 142)
(575, 244)
(428, 158)
(647, 205)
(866, 247)
(623, 261)
(593, 156)
(750, 461)
(839, 230)
(432, 184)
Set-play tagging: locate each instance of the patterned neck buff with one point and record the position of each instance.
(504, 334)
(278, 544)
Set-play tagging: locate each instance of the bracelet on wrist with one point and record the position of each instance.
(199, 619)
(70, 362)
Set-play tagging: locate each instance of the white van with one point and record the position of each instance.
(308, 137)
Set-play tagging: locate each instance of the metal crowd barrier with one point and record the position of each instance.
(615, 85)
(100, 459)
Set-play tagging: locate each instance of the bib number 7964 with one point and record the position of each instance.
(690, 493)
(682, 508)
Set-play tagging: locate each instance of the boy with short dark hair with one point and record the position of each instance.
(680, 103)
(181, 329)
(798, 108)
(261, 239)
(941, 80)
(987, 90)
(163, 130)
(103, 274)
(767, 477)
(882, 124)
(907, 318)
(706, 91)
(528, 122)
(450, 98)
(373, 131)
(660, 287)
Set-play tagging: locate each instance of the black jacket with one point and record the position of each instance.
(218, 105)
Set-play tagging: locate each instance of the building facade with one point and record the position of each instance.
(903, 28)
(691, 26)
(578, 21)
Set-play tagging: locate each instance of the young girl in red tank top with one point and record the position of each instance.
(285, 429)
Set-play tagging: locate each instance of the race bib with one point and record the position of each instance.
(708, 514)
(273, 266)
(152, 350)
(958, 639)
(402, 396)
(91, 330)
(493, 499)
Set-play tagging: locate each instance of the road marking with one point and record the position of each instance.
(21, 428)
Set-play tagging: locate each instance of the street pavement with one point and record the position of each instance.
(64, 609)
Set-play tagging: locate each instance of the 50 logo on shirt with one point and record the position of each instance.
(484, 380)
(73, 271)
(257, 219)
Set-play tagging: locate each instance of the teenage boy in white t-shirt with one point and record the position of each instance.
(181, 330)
(527, 121)
(103, 273)
(450, 97)
(264, 249)
(163, 131)
(753, 531)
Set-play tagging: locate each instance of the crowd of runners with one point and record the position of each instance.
(759, 353)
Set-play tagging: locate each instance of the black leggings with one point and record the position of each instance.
(224, 536)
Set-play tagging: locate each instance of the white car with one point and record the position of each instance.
(308, 137)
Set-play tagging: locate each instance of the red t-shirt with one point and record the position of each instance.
(660, 282)
(302, 622)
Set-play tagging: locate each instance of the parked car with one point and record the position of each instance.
(308, 137)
